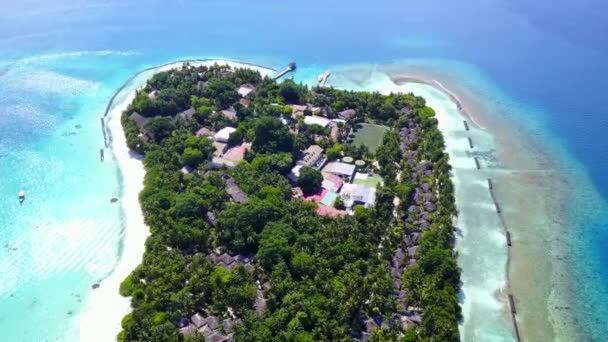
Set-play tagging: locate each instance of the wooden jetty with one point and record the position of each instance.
(290, 67)
(323, 78)
(103, 131)
(512, 304)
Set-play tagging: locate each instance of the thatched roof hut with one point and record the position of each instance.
(415, 237)
(396, 273)
(430, 206)
(213, 323)
(198, 320)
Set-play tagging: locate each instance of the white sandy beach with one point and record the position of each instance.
(105, 308)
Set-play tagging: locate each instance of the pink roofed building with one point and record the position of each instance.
(322, 209)
(332, 182)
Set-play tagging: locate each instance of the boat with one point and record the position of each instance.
(21, 196)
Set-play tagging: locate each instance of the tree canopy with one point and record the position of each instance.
(235, 242)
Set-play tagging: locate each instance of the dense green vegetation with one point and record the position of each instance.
(321, 277)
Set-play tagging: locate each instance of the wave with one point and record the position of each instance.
(59, 55)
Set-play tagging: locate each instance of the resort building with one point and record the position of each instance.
(332, 182)
(316, 120)
(224, 134)
(310, 156)
(346, 114)
(298, 110)
(356, 194)
(246, 89)
(141, 121)
(233, 190)
(340, 169)
(229, 113)
(187, 114)
(205, 132)
(334, 131)
(228, 157)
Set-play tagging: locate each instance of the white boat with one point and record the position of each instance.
(21, 196)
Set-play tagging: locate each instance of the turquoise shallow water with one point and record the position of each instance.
(538, 64)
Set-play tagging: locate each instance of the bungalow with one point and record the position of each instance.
(141, 121)
(229, 113)
(153, 94)
(246, 89)
(340, 169)
(205, 132)
(316, 120)
(353, 194)
(346, 114)
(298, 110)
(234, 191)
(224, 134)
(187, 114)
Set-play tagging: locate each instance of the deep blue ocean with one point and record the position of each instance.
(60, 61)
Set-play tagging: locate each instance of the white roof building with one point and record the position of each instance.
(223, 134)
(245, 90)
(316, 120)
(340, 169)
(358, 194)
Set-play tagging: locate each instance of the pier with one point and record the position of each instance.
(290, 67)
(103, 130)
(323, 78)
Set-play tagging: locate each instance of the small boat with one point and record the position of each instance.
(21, 196)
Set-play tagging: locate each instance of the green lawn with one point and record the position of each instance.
(370, 136)
(371, 181)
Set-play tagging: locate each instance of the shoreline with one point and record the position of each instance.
(489, 296)
(528, 191)
(455, 129)
(104, 309)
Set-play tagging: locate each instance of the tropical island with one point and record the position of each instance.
(280, 212)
